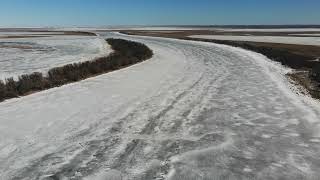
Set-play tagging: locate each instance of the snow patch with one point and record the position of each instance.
(106, 175)
(24, 56)
(270, 39)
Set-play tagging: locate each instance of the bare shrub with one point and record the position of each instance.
(125, 53)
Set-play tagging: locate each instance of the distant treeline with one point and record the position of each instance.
(125, 53)
(79, 33)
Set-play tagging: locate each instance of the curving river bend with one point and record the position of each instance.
(195, 111)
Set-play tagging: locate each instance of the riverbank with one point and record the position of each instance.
(126, 53)
(303, 59)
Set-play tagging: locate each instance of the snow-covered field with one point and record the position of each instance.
(12, 33)
(272, 39)
(157, 28)
(194, 111)
(315, 34)
(160, 28)
(119, 28)
(27, 55)
(274, 30)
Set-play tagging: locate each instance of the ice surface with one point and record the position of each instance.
(194, 111)
(23, 56)
(272, 39)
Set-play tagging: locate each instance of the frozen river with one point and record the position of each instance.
(195, 111)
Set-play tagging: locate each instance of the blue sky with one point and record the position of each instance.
(157, 12)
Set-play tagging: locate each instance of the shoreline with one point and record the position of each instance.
(302, 64)
(126, 53)
(301, 58)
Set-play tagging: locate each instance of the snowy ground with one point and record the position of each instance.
(274, 30)
(5, 34)
(157, 28)
(194, 111)
(217, 29)
(146, 28)
(21, 56)
(272, 39)
(315, 34)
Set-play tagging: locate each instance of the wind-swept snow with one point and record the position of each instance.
(271, 39)
(23, 56)
(194, 111)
